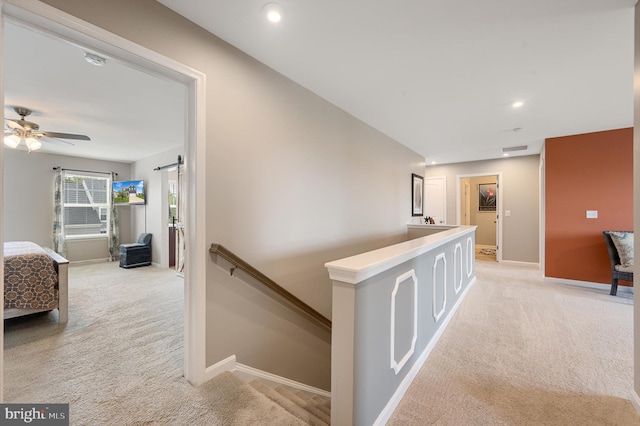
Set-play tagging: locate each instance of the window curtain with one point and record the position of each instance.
(59, 241)
(114, 227)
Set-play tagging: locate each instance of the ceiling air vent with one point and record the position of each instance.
(515, 148)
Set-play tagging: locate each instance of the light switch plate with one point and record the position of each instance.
(592, 214)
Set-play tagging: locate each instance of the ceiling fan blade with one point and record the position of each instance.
(54, 140)
(13, 124)
(64, 135)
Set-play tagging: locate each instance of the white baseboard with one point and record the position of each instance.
(587, 284)
(247, 374)
(635, 400)
(518, 263)
(85, 262)
(388, 410)
(227, 364)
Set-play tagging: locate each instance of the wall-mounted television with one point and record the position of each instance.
(127, 192)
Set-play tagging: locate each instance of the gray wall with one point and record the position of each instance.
(291, 180)
(374, 382)
(520, 195)
(28, 200)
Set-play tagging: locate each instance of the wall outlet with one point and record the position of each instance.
(592, 214)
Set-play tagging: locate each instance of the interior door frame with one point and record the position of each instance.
(50, 20)
(500, 184)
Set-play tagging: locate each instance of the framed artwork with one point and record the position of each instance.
(417, 191)
(487, 197)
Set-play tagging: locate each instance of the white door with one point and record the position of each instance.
(435, 199)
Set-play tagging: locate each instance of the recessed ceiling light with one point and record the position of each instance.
(517, 104)
(94, 59)
(273, 12)
(433, 162)
(506, 154)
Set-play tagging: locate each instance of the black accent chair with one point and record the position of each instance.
(136, 254)
(614, 259)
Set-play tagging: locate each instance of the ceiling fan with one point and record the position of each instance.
(27, 132)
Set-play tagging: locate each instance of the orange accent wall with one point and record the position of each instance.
(592, 171)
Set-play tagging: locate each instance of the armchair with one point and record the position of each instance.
(136, 254)
(620, 248)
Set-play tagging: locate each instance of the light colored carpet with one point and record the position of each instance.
(523, 352)
(517, 352)
(119, 359)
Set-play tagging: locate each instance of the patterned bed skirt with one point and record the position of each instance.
(30, 277)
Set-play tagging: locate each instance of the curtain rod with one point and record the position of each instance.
(84, 171)
(170, 165)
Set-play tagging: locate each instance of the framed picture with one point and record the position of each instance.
(487, 197)
(417, 191)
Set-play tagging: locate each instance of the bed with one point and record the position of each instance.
(35, 280)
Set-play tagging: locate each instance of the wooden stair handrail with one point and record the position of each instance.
(223, 252)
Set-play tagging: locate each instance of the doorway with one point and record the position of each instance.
(478, 203)
(48, 20)
(172, 184)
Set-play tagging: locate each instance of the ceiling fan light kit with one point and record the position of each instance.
(11, 140)
(29, 133)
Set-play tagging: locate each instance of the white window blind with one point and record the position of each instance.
(86, 205)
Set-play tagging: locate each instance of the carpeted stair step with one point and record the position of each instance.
(305, 402)
(305, 409)
(319, 402)
(324, 403)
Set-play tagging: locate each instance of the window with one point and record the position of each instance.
(86, 205)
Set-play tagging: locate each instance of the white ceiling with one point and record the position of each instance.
(438, 76)
(128, 114)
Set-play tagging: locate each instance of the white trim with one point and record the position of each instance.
(86, 237)
(532, 265)
(457, 276)
(60, 24)
(471, 255)
(437, 315)
(355, 269)
(635, 400)
(397, 366)
(247, 374)
(227, 364)
(587, 284)
(84, 262)
(388, 410)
